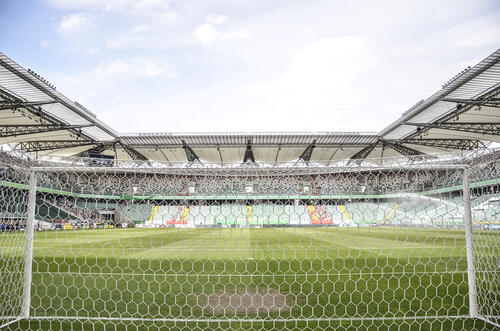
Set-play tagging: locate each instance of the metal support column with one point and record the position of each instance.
(469, 244)
(28, 256)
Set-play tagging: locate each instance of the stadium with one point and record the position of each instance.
(392, 230)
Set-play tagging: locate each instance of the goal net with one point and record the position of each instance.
(403, 244)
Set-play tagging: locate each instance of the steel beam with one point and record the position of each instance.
(96, 150)
(333, 154)
(461, 144)
(8, 104)
(190, 154)
(249, 153)
(220, 155)
(363, 154)
(277, 154)
(133, 153)
(23, 129)
(36, 111)
(461, 108)
(307, 153)
(487, 102)
(403, 150)
(101, 148)
(46, 145)
(472, 127)
(464, 105)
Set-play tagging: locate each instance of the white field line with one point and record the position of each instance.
(279, 320)
(250, 275)
(229, 248)
(258, 275)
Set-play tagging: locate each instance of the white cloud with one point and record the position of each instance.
(135, 67)
(76, 23)
(104, 5)
(93, 51)
(141, 28)
(127, 7)
(152, 33)
(299, 60)
(216, 19)
(321, 71)
(122, 41)
(208, 34)
(151, 4)
(321, 77)
(161, 19)
(476, 33)
(45, 43)
(240, 34)
(318, 81)
(113, 78)
(152, 70)
(115, 67)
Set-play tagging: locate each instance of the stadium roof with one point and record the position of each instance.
(467, 107)
(463, 115)
(32, 110)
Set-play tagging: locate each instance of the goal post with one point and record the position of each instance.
(28, 255)
(485, 260)
(13, 243)
(471, 268)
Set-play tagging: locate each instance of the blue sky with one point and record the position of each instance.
(212, 65)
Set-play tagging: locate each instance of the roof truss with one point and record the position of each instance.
(481, 128)
(133, 153)
(97, 149)
(46, 145)
(463, 106)
(463, 144)
(16, 104)
(190, 154)
(488, 102)
(248, 153)
(403, 150)
(307, 153)
(23, 129)
(36, 112)
(363, 154)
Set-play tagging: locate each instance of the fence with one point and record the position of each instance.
(405, 244)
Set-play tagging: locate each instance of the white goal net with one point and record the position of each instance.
(404, 244)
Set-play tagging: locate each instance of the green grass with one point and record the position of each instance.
(325, 273)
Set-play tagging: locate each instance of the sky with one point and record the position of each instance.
(248, 65)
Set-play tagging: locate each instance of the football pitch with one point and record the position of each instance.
(241, 278)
